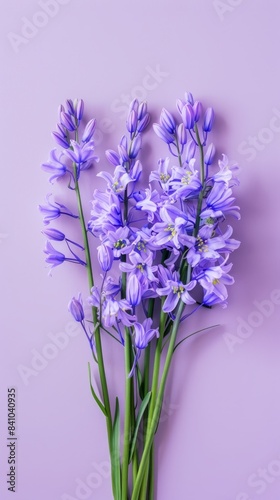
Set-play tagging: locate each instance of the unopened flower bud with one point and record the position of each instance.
(208, 120)
(188, 116)
(89, 130)
(76, 309)
(135, 146)
(182, 134)
(210, 153)
(167, 121)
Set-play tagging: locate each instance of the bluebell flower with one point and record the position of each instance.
(68, 121)
(209, 155)
(205, 245)
(55, 165)
(106, 214)
(89, 130)
(174, 291)
(54, 234)
(147, 201)
(55, 258)
(61, 139)
(105, 257)
(181, 134)
(172, 226)
(82, 154)
(190, 151)
(75, 307)
(167, 121)
(197, 109)
(188, 116)
(214, 279)
(143, 123)
(144, 334)
(208, 120)
(186, 183)
(227, 173)
(133, 290)
(112, 312)
(54, 210)
(143, 268)
(118, 241)
(163, 134)
(113, 157)
(132, 120)
(135, 146)
(164, 174)
(219, 202)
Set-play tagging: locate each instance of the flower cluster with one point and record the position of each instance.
(163, 252)
(168, 238)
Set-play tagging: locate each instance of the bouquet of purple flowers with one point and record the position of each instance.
(163, 252)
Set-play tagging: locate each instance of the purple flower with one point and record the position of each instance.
(131, 123)
(89, 130)
(214, 280)
(186, 183)
(190, 151)
(174, 291)
(54, 234)
(182, 134)
(163, 134)
(75, 307)
(167, 121)
(135, 146)
(54, 258)
(204, 246)
(79, 105)
(209, 155)
(105, 257)
(142, 110)
(106, 214)
(112, 312)
(227, 173)
(142, 267)
(208, 120)
(169, 231)
(54, 210)
(69, 106)
(133, 290)
(219, 202)
(144, 333)
(163, 175)
(67, 121)
(188, 117)
(83, 155)
(148, 202)
(61, 139)
(112, 157)
(55, 165)
(197, 109)
(143, 123)
(118, 241)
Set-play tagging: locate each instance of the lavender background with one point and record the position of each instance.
(220, 435)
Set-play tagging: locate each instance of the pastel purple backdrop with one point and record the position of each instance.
(220, 436)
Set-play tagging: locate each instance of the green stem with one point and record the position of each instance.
(97, 336)
(153, 397)
(158, 404)
(127, 417)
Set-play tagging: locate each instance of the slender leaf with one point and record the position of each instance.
(194, 333)
(101, 405)
(142, 409)
(115, 454)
